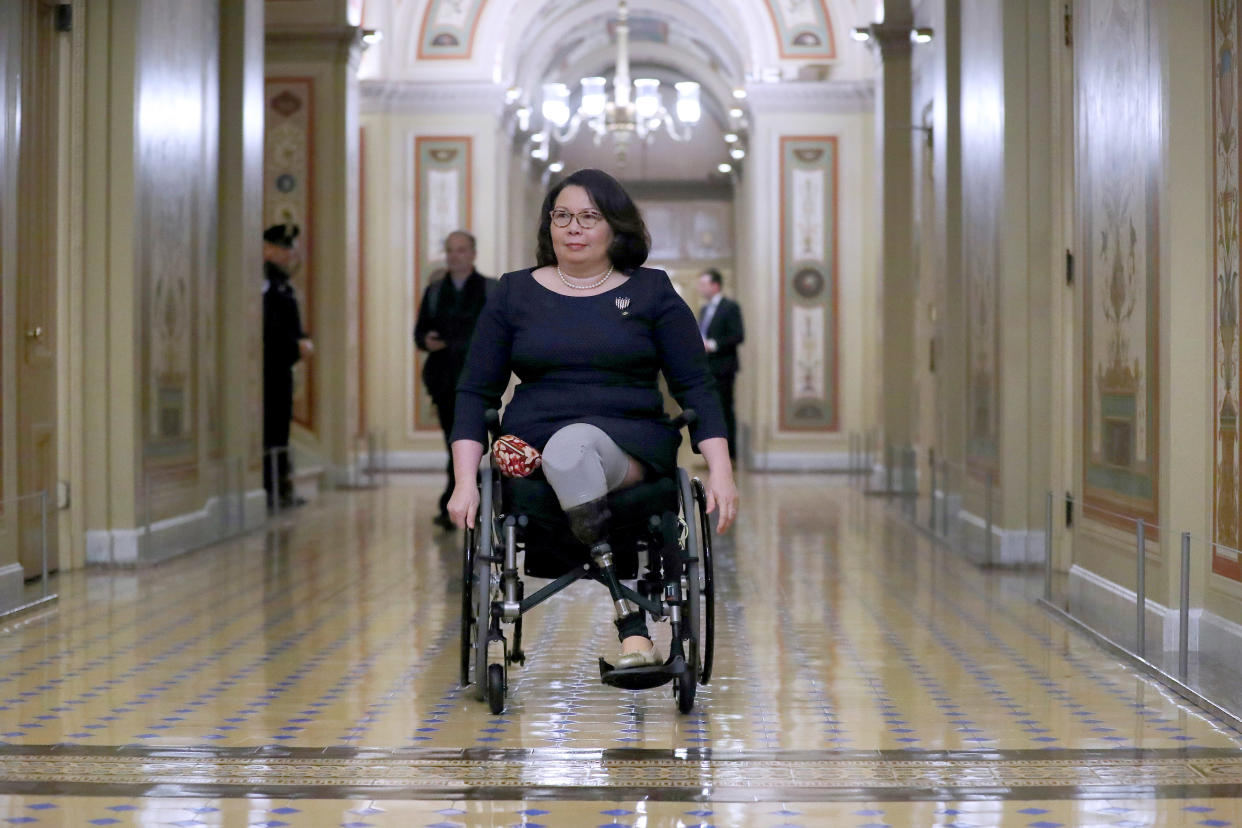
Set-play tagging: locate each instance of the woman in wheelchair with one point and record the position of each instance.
(587, 331)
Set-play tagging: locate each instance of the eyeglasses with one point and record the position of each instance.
(586, 219)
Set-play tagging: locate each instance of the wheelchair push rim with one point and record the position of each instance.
(467, 606)
(700, 606)
(707, 628)
(482, 581)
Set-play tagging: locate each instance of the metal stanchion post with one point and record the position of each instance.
(931, 492)
(888, 467)
(1183, 612)
(987, 507)
(222, 500)
(1141, 588)
(146, 514)
(43, 539)
(241, 493)
(1048, 548)
(944, 501)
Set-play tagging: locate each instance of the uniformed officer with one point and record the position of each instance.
(284, 344)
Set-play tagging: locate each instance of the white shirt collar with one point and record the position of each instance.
(714, 302)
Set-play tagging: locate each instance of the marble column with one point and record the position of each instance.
(894, 137)
(241, 260)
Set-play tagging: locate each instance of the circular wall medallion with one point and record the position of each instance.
(809, 283)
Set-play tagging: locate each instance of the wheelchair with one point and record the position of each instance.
(661, 523)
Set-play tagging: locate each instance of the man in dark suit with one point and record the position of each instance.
(446, 316)
(720, 323)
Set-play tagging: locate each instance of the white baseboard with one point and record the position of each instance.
(1217, 638)
(1010, 547)
(405, 461)
(799, 461)
(12, 586)
(177, 534)
(1112, 609)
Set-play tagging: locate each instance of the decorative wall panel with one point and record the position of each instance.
(983, 175)
(1118, 161)
(177, 92)
(442, 180)
(697, 231)
(809, 342)
(804, 28)
(448, 29)
(288, 195)
(1226, 511)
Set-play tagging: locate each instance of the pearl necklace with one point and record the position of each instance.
(607, 275)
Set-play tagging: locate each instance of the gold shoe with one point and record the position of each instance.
(641, 658)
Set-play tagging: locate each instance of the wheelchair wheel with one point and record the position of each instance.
(683, 690)
(496, 688)
(482, 580)
(707, 586)
(467, 606)
(693, 625)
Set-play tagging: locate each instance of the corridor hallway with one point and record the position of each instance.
(307, 676)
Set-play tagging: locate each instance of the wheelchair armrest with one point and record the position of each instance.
(492, 418)
(687, 417)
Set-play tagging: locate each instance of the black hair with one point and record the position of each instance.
(716, 278)
(631, 241)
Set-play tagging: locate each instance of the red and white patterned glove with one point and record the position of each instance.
(515, 456)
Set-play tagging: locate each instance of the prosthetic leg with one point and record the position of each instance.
(589, 523)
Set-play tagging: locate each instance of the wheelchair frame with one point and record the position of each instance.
(493, 597)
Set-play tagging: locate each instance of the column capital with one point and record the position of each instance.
(343, 43)
(893, 38)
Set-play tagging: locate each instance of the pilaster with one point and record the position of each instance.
(328, 55)
(894, 137)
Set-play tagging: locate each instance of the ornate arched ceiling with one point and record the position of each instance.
(748, 36)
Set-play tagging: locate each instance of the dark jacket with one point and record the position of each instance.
(451, 313)
(726, 329)
(282, 325)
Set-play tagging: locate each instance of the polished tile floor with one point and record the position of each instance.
(306, 676)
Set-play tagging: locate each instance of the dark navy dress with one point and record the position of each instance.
(589, 359)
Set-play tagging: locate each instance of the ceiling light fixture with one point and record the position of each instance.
(635, 110)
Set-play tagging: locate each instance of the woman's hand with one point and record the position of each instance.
(721, 490)
(722, 498)
(463, 506)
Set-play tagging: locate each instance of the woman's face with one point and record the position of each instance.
(581, 252)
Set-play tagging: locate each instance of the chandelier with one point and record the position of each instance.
(635, 112)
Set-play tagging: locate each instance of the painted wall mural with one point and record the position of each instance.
(1226, 511)
(442, 180)
(983, 175)
(288, 196)
(804, 28)
(448, 29)
(809, 398)
(1118, 150)
(177, 138)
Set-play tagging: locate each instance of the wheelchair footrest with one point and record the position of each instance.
(642, 678)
